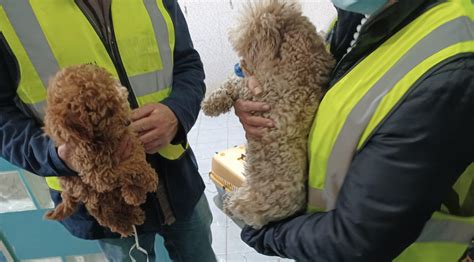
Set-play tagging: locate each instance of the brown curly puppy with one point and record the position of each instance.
(88, 109)
(281, 49)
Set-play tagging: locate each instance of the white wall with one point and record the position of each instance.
(210, 20)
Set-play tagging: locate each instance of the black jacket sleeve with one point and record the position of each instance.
(21, 139)
(395, 182)
(188, 74)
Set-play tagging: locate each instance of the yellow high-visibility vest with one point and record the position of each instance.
(354, 107)
(48, 35)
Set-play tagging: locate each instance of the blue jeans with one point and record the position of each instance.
(186, 240)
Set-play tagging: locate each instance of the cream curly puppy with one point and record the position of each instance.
(282, 50)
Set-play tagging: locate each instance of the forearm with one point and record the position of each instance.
(333, 236)
(186, 95)
(21, 138)
(395, 182)
(24, 144)
(188, 73)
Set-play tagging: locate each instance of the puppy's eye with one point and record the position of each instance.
(127, 122)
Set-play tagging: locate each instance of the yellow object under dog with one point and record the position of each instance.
(227, 173)
(228, 168)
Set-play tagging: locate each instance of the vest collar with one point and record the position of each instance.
(377, 30)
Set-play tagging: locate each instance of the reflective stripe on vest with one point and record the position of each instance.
(53, 183)
(42, 46)
(444, 238)
(361, 100)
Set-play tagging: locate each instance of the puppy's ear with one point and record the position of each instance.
(269, 37)
(258, 39)
(120, 109)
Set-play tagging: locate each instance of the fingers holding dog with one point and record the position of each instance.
(254, 86)
(65, 152)
(254, 126)
(156, 125)
(250, 106)
(152, 140)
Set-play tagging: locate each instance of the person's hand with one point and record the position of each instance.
(254, 86)
(65, 152)
(254, 126)
(156, 126)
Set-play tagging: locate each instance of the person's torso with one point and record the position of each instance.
(45, 36)
(363, 95)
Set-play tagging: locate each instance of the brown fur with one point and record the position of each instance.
(88, 109)
(281, 48)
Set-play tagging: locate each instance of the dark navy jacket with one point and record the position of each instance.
(405, 170)
(23, 144)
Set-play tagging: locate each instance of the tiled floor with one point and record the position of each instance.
(208, 136)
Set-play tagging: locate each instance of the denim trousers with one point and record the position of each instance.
(186, 240)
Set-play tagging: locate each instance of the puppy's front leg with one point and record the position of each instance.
(222, 99)
(137, 179)
(66, 208)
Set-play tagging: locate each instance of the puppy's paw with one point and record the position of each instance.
(125, 230)
(133, 195)
(208, 108)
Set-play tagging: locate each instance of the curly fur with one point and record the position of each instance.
(280, 47)
(88, 109)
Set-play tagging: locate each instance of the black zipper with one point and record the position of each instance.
(113, 52)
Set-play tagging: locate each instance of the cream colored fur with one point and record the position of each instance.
(281, 48)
